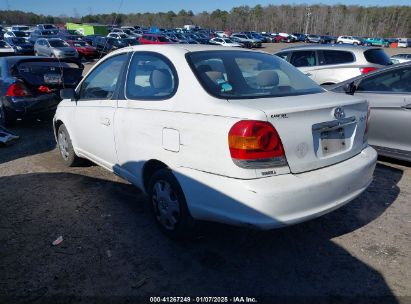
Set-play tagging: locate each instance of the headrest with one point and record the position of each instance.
(214, 76)
(204, 68)
(161, 79)
(267, 79)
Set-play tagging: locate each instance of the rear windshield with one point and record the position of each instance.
(241, 74)
(58, 43)
(377, 56)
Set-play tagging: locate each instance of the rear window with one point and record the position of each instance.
(239, 74)
(335, 57)
(377, 56)
(58, 43)
(303, 58)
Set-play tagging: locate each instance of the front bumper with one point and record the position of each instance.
(276, 201)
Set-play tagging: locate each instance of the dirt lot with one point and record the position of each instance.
(112, 248)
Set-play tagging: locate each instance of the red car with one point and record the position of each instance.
(154, 39)
(84, 50)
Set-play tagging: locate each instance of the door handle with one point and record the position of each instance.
(308, 74)
(407, 107)
(105, 121)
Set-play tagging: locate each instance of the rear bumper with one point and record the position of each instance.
(28, 106)
(276, 201)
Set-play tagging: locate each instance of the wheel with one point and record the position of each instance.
(339, 42)
(36, 53)
(70, 158)
(355, 43)
(169, 205)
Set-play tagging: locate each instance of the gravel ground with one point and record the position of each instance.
(112, 247)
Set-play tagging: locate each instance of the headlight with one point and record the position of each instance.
(19, 48)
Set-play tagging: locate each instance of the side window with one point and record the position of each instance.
(303, 59)
(102, 82)
(151, 76)
(395, 81)
(283, 55)
(335, 57)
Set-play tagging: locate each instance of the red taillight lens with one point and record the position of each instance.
(17, 90)
(255, 144)
(367, 70)
(44, 89)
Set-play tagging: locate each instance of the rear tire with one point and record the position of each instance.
(169, 205)
(70, 158)
(5, 119)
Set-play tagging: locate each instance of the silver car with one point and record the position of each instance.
(389, 94)
(54, 47)
(331, 64)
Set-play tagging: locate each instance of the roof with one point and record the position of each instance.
(331, 47)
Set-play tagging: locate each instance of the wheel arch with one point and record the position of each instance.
(149, 168)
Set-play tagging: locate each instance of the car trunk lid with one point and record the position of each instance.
(316, 130)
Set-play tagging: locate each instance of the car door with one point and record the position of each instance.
(305, 61)
(95, 110)
(145, 125)
(389, 94)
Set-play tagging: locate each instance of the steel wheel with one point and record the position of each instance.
(63, 144)
(166, 205)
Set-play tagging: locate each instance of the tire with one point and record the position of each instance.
(169, 205)
(67, 153)
(339, 42)
(5, 119)
(355, 43)
(36, 53)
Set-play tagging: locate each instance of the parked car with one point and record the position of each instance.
(330, 64)
(349, 40)
(19, 34)
(376, 42)
(54, 47)
(36, 34)
(313, 38)
(154, 39)
(48, 27)
(83, 49)
(255, 43)
(224, 42)
(389, 93)
(5, 49)
(299, 36)
(327, 39)
(277, 138)
(404, 42)
(90, 39)
(20, 45)
(30, 85)
(104, 45)
(245, 44)
(400, 58)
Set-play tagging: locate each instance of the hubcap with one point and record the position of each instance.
(166, 205)
(63, 145)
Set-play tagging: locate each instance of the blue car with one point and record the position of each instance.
(20, 45)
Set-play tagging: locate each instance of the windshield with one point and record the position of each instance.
(123, 36)
(18, 40)
(58, 43)
(239, 74)
(20, 28)
(49, 27)
(20, 34)
(163, 39)
(228, 41)
(47, 33)
(79, 44)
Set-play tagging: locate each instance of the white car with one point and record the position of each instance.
(220, 134)
(118, 35)
(349, 40)
(6, 49)
(224, 42)
(400, 58)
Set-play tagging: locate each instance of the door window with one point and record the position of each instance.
(101, 83)
(335, 57)
(303, 59)
(395, 81)
(151, 76)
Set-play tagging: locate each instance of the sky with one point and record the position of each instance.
(84, 7)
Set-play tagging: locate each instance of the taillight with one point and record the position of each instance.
(44, 89)
(17, 90)
(367, 70)
(367, 124)
(255, 144)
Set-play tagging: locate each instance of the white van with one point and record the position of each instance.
(404, 42)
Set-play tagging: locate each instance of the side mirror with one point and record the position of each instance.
(68, 94)
(350, 88)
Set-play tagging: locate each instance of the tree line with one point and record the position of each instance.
(389, 21)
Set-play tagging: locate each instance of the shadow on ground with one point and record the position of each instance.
(112, 246)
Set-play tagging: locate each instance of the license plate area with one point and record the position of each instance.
(333, 141)
(52, 78)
